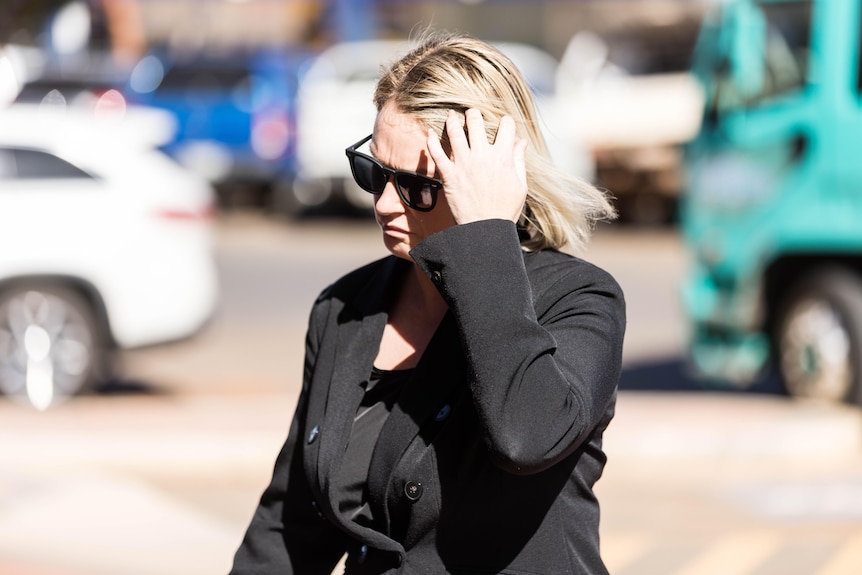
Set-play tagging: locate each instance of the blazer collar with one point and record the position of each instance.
(374, 296)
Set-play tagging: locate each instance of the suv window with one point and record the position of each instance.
(27, 164)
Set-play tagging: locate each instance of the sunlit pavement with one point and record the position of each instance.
(701, 484)
(160, 475)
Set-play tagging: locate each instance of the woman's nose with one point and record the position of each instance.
(388, 202)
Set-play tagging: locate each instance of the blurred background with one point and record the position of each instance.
(174, 194)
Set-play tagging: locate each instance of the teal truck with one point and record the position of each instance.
(772, 211)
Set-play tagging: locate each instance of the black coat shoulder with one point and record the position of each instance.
(552, 270)
(347, 285)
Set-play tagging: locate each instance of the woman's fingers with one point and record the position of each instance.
(475, 129)
(472, 135)
(505, 133)
(438, 154)
(481, 180)
(457, 136)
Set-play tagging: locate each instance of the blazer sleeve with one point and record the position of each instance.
(286, 534)
(543, 349)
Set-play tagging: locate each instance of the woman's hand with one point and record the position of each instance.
(481, 181)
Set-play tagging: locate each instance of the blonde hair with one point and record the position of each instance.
(458, 72)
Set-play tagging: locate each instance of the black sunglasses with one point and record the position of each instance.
(415, 190)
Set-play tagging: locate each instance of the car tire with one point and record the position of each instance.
(50, 344)
(819, 337)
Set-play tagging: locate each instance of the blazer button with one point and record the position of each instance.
(317, 509)
(413, 490)
(443, 413)
(313, 434)
(436, 277)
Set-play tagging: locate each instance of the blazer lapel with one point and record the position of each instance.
(357, 342)
(360, 328)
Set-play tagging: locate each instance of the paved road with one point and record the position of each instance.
(159, 475)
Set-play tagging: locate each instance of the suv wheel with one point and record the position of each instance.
(819, 337)
(49, 344)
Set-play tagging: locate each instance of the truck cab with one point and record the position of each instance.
(772, 212)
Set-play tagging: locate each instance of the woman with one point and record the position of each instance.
(454, 393)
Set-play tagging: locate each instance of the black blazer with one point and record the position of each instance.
(487, 461)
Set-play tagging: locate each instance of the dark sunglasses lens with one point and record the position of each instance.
(419, 193)
(369, 175)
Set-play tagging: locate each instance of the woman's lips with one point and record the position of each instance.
(393, 230)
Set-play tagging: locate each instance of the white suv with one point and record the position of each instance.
(106, 244)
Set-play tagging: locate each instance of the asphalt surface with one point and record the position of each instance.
(159, 473)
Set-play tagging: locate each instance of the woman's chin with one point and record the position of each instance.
(397, 247)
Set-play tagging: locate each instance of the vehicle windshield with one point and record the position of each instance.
(780, 56)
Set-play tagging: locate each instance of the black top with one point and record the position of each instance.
(381, 389)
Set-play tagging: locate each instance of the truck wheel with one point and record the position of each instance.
(819, 338)
(49, 344)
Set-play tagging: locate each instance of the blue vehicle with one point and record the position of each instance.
(235, 115)
(772, 213)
